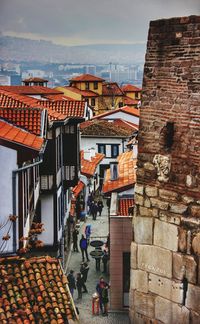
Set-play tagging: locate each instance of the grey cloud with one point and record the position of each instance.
(94, 20)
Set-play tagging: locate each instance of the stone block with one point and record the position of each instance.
(178, 208)
(163, 310)
(139, 200)
(143, 227)
(159, 203)
(184, 264)
(195, 211)
(168, 195)
(147, 203)
(133, 255)
(166, 235)
(195, 317)
(196, 244)
(144, 304)
(187, 199)
(139, 280)
(170, 217)
(155, 259)
(139, 189)
(198, 273)
(193, 298)
(149, 212)
(182, 239)
(166, 288)
(149, 166)
(171, 313)
(151, 191)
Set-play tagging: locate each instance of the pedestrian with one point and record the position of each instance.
(83, 246)
(100, 206)
(105, 299)
(88, 232)
(79, 284)
(75, 239)
(71, 281)
(105, 259)
(102, 290)
(94, 210)
(84, 271)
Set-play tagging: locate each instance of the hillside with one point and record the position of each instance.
(21, 49)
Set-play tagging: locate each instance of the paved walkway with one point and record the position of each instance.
(99, 229)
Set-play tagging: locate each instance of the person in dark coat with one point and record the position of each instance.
(100, 206)
(94, 210)
(71, 282)
(75, 239)
(83, 246)
(84, 271)
(105, 259)
(79, 284)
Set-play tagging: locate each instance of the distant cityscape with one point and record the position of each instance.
(22, 58)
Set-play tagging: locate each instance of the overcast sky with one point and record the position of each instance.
(77, 22)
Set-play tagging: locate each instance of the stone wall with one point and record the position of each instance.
(165, 253)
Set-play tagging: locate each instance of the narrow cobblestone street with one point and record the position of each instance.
(99, 231)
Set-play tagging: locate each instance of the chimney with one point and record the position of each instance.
(92, 152)
(87, 155)
(114, 170)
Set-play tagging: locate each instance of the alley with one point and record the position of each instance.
(99, 231)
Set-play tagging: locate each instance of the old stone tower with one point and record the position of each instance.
(165, 253)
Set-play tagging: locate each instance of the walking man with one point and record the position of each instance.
(71, 282)
(83, 246)
(84, 271)
(75, 239)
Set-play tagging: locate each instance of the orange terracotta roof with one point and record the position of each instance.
(84, 93)
(132, 111)
(130, 102)
(35, 79)
(27, 118)
(13, 100)
(124, 206)
(75, 108)
(104, 128)
(125, 109)
(86, 77)
(31, 90)
(34, 291)
(11, 133)
(57, 97)
(78, 188)
(130, 88)
(125, 124)
(126, 174)
(111, 89)
(88, 167)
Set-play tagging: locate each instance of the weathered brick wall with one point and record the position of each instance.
(166, 223)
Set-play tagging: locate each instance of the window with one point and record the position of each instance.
(102, 148)
(93, 102)
(87, 86)
(120, 104)
(95, 85)
(114, 150)
(70, 172)
(58, 152)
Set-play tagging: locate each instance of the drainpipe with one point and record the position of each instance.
(14, 173)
